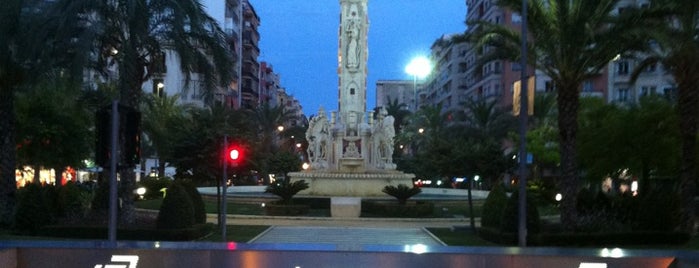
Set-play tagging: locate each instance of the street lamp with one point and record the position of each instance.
(419, 67)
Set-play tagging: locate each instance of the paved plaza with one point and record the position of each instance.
(347, 238)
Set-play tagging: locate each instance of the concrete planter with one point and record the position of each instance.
(345, 207)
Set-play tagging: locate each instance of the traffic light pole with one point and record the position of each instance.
(114, 136)
(225, 188)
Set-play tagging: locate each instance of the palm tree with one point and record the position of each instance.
(399, 111)
(676, 47)
(133, 36)
(161, 115)
(485, 121)
(573, 40)
(29, 45)
(266, 121)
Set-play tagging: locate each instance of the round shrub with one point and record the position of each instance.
(101, 199)
(177, 210)
(32, 209)
(510, 216)
(660, 211)
(73, 201)
(493, 207)
(197, 202)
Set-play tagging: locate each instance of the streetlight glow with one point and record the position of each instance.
(418, 67)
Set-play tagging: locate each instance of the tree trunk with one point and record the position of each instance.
(131, 74)
(161, 168)
(8, 161)
(568, 103)
(37, 175)
(688, 99)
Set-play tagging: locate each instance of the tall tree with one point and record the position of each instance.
(132, 38)
(642, 138)
(54, 128)
(29, 46)
(161, 115)
(572, 41)
(676, 47)
(266, 120)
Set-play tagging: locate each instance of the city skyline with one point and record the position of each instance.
(299, 39)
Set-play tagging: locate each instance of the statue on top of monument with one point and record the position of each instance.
(383, 133)
(352, 31)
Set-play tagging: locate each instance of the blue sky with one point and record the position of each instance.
(299, 39)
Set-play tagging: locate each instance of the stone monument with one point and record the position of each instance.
(350, 152)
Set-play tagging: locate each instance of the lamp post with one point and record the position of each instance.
(418, 67)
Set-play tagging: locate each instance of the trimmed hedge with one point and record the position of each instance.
(419, 209)
(510, 215)
(177, 210)
(493, 207)
(101, 232)
(600, 239)
(32, 209)
(197, 202)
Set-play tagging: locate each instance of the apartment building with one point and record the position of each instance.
(170, 79)
(447, 86)
(250, 86)
(653, 80)
(404, 91)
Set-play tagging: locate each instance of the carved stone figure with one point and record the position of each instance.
(352, 32)
(318, 137)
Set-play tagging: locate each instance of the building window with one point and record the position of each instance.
(648, 90)
(588, 86)
(548, 86)
(651, 68)
(351, 91)
(622, 67)
(622, 95)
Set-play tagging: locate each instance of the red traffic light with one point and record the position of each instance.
(234, 155)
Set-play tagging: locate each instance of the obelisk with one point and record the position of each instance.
(350, 155)
(352, 59)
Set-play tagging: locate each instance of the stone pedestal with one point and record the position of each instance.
(345, 207)
(350, 184)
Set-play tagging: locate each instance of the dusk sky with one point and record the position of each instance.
(299, 38)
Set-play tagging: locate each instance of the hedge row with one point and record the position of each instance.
(101, 232)
(599, 239)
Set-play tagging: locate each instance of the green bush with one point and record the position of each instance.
(660, 211)
(177, 210)
(493, 207)
(197, 202)
(286, 190)
(510, 215)
(401, 192)
(153, 186)
(73, 201)
(32, 209)
(195, 232)
(101, 198)
(418, 209)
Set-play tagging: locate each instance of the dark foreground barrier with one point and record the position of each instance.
(128, 254)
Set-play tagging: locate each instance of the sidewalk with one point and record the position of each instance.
(343, 222)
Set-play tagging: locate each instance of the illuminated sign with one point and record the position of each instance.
(121, 261)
